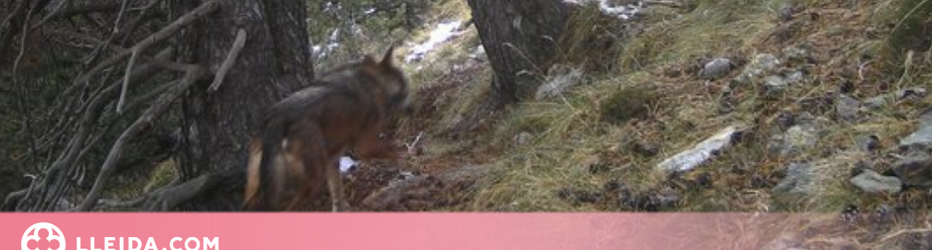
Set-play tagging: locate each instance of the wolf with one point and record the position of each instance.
(303, 136)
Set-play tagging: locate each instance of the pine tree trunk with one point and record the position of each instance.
(216, 126)
(520, 38)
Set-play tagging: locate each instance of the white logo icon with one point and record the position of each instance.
(32, 234)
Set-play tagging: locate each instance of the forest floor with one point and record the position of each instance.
(823, 104)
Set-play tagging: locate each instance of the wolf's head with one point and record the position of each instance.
(392, 82)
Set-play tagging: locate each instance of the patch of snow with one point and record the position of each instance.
(443, 32)
(689, 159)
(346, 164)
(624, 12)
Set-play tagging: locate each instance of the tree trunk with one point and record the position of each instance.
(520, 38)
(216, 125)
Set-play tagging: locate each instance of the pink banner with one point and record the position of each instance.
(232, 231)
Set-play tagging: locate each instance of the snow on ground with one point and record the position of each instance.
(444, 31)
(623, 12)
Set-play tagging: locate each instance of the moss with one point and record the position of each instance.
(626, 104)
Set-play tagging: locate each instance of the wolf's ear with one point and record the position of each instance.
(387, 58)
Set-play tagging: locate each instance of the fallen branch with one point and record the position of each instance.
(230, 60)
(158, 107)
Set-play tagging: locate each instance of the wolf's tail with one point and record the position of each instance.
(262, 183)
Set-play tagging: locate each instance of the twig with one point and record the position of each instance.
(413, 144)
(54, 12)
(158, 36)
(129, 70)
(230, 60)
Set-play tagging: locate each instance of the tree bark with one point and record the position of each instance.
(520, 38)
(216, 126)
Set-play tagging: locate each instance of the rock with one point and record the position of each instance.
(922, 137)
(561, 79)
(798, 138)
(798, 177)
(873, 183)
(910, 93)
(774, 84)
(652, 200)
(716, 68)
(523, 138)
(868, 143)
(806, 183)
(875, 102)
(703, 151)
(907, 94)
(761, 64)
(915, 171)
(846, 108)
(786, 12)
(798, 54)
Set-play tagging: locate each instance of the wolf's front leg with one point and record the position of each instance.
(335, 183)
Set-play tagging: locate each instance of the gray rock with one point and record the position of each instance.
(799, 54)
(875, 102)
(922, 137)
(761, 65)
(798, 139)
(716, 68)
(775, 84)
(786, 12)
(907, 94)
(798, 177)
(523, 138)
(868, 143)
(846, 107)
(873, 183)
(915, 171)
(910, 93)
(807, 183)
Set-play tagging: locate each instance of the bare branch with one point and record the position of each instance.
(129, 70)
(157, 108)
(230, 60)
(159, 36)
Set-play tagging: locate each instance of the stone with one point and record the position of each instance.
(873, 183)
(798, 176)
(915, 171)
(716, 68)
(797, 139)
(774, 84)
(806, 183)
(523, 138)
(922, 137)
(907, 94)
(761, 64)
(846, 108)
(868, 143)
